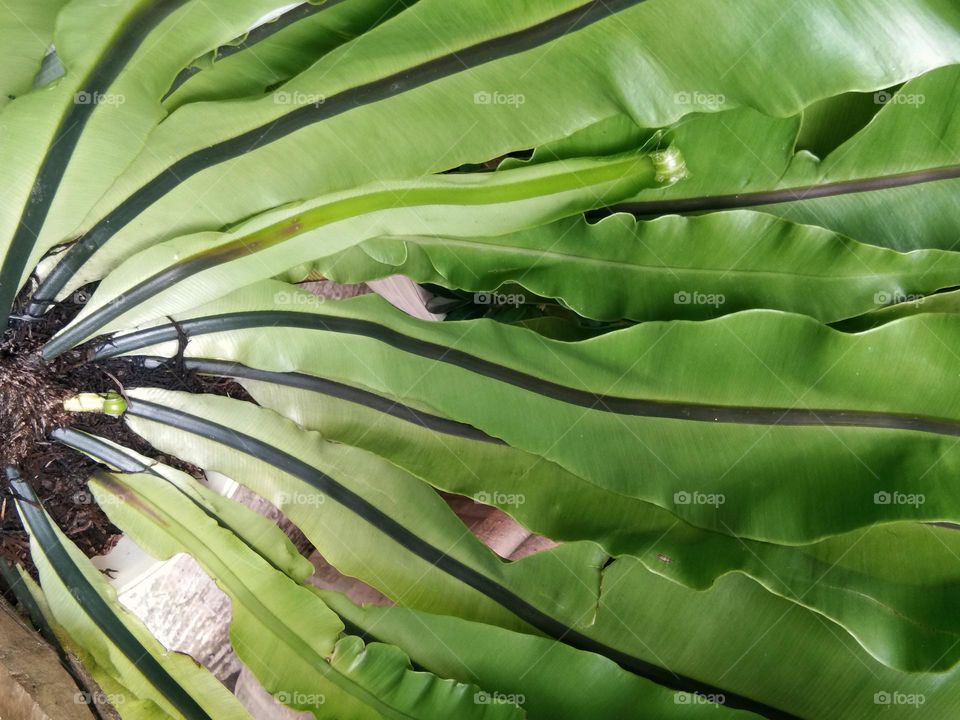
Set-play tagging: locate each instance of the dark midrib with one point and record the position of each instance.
(255, 36)
(28, 603)
(64, 143)
(102, 451)
(106, 453)
(709, 203)
(366, 94)
(97, 609)
(348, 393)
(670, 410)
(412, 542)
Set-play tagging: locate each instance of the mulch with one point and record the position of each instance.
(31, 405)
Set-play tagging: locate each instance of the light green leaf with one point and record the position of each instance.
(495, 80)
(374, 522)
(114, 692)
(60, 143)
(757, 412)
(85, 605)
(547, 679)
(26, 32)
(744, 159)
(669, 268)
(177, 275)
(945, 302)
(596, 597)
(261, 534)
(896, 607)
(277, 50)
(283, 632)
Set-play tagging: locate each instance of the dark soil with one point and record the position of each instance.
(31, 405)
